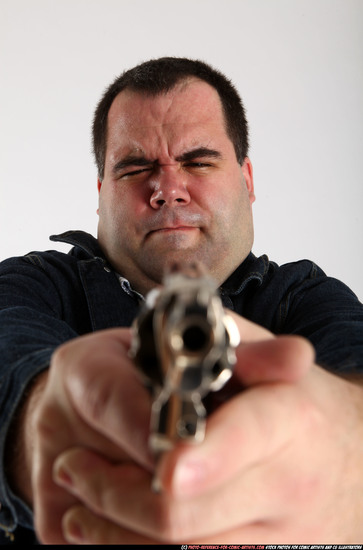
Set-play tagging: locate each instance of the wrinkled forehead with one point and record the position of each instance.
(190, 101)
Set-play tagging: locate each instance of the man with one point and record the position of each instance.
(282, 458)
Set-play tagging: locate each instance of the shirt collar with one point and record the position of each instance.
(251, 269)
(82, 240)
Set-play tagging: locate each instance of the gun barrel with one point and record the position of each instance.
(184, 346)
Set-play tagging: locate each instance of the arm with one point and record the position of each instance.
(119, 504)
(328, 313)
(31, 328)
(20, 440)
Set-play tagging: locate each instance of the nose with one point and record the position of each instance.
(169, 188)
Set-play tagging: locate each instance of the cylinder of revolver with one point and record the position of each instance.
(184, 345)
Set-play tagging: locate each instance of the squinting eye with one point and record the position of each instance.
(198, 165)
(134, 173)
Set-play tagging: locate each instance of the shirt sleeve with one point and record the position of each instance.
(329, 314)
(31, 327)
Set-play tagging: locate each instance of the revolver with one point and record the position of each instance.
(184, 347)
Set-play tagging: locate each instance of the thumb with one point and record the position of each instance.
(282, 359)
(263, 357)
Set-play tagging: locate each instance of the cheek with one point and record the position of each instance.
(230, 204)
(121, 210)
(233, 220)
(111, 213)
(112, 202)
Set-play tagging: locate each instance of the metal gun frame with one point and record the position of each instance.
(184, 346)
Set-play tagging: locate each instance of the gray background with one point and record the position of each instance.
(297, 63)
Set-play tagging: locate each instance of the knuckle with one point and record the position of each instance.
(44, 425)
(96, 399)
(61, 354)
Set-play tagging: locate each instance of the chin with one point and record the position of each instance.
(180, 258)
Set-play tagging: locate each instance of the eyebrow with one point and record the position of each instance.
(131, 160)
(200, 152)
(140, 160)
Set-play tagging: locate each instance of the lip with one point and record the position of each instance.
(172, 228)
(163, 222)
(177, 228)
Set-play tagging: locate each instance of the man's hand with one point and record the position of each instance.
(281, 463)
(93, 399)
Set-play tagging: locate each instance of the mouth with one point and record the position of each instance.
(172, 229)
(173, 223)
(177, 228)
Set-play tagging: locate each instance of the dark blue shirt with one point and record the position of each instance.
(47, 298)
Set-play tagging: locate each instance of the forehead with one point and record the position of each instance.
(191, 108)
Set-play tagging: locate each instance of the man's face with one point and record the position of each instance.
(173, 190)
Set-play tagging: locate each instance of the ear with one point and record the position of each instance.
(99, 184)
(247, 171)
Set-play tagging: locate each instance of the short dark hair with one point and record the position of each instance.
(159, 76)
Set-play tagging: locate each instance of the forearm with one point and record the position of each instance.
(15, 378)
(19, 442)
(28, 340)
